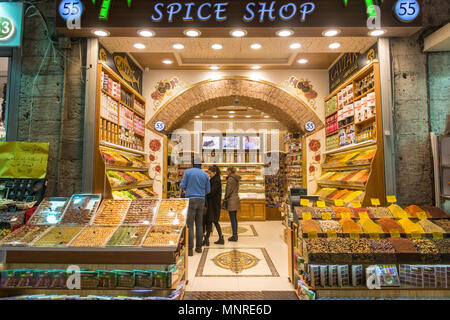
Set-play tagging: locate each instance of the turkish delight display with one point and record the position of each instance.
(58, 237)
(93, 237)
(80, 209)
(49, 211)
(162, 236)
(141, 211)
(111, 212)
(172, 212)
(128, 236)
(24, 235)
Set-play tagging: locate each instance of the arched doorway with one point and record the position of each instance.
(263, 95)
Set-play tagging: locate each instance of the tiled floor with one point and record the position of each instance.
(258, 277)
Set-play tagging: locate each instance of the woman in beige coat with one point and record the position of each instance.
(231, 202)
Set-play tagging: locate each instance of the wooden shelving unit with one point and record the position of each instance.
(374, 185)
(111, 137)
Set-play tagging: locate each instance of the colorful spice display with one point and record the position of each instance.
(340, 210)
(405, 249)
(380, 212)
(427, 250)
(317, 250)
(410, 226)
(413, 210)
(330, 225)
(310, 226)
(315, 214)
(398, 212)
(383, 250)
(350, 226)
(430, 227)
(390, 225)
(369, 226)
(445, 224)
(361, 252)
(435, 212)
(357, 211)
(340, 250)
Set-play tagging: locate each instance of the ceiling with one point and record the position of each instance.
(236, 53)
(233, 112)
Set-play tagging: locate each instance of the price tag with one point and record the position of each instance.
(375, 236)
(363, 215)
(326, 215)
(304, 202)
(331, 234)
(354, 235)
(356, 204)
(375, 202)
(391, 199)
(320, 204)
(345, 215)
(312, 235)
(306, 215)
(421, 215)
(416, 235)
(438, 235)
(395, 234)
(339, 203)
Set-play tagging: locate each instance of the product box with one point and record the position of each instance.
(429, 276)
(125, 279)
(314, 271)
(388, 275)
(441, 276)
(411, 275)
(323, 276)
(333, 275)
(342, 275)
(357, 275)
(107, 279)
(371, 99)
(143, 279)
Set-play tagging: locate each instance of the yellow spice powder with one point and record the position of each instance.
(397, 211)
(369, 226)
(410, 226)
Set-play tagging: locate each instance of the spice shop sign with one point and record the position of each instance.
(231, 13)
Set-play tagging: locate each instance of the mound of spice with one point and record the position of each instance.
(444, 223)
(317, 250)
(320, 211)
(369, 226)
(430, 227)
(406, 252)
(413, 210)
(427, 250)
(397, 211)
(383, 250)
(349, 226)
(340, 250)
(340, 210)
(390, 225)
(310, 226)
(410, 226)
(361, 251)
(443, 246)
(380, 212)
(436, 212)
(314, 212)
(357, 211)
(330, 225)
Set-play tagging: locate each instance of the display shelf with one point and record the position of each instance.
(351, 147)
(136, 186)
(371, 119)
(121, 148)
(364, 94)
(119, 168)
(342, 185)
(331, 114)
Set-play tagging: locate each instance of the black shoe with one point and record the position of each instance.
(198, 250)
(190, 253)
(233, 238)
(220, 241)
(206, 242)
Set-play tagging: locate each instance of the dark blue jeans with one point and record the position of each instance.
(234, 223)
(195, 215)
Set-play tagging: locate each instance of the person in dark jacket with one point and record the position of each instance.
(213, 200)
(231, 202)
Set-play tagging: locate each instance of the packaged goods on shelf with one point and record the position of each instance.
(24, 235)
(106, 279)
(314, 271)
(49, 211)
(93, 237)
(390, 225)
(332, 142)
(109, 108)
(80, 209)
(323, 270)
(357, 275)
(58, 237)
(139, 107)
(111, 212)
(410, 227)
(388, 275)
(143, 279)
(343, 276)
(125, 279)
(411, 275)
(128, 236)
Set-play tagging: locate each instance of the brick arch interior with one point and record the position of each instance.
(267, 97)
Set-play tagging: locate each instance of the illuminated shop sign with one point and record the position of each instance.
(225, 13)
(11, 24)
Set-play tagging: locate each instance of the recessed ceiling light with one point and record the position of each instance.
(302, 61)
(139, 46)
(376, 33)
(167, 61)
(197, 117)
(215, 116)
(214, 67)
(256, 67)
(295, 45)
(101, 33)
(266, 117)
(248, 116)
(285, 33)
(230, 116)
(192, 32)
(334, 45)
(146, 33)
(178, 46)
(231, 111)
(216, 46)
(331, 32)
(256, 46)
(238, 33)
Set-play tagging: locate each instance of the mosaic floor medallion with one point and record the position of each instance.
(235, 260)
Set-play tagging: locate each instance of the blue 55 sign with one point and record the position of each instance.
(406, 10)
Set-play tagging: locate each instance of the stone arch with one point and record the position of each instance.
(277, 102)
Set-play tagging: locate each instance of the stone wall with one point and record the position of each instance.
(51, 105)
(411, 109)
(439, 86)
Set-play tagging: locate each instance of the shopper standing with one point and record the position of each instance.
(196, 183)
(231, 202)
(213, 200)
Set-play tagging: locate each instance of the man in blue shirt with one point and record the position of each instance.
(196, 183)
